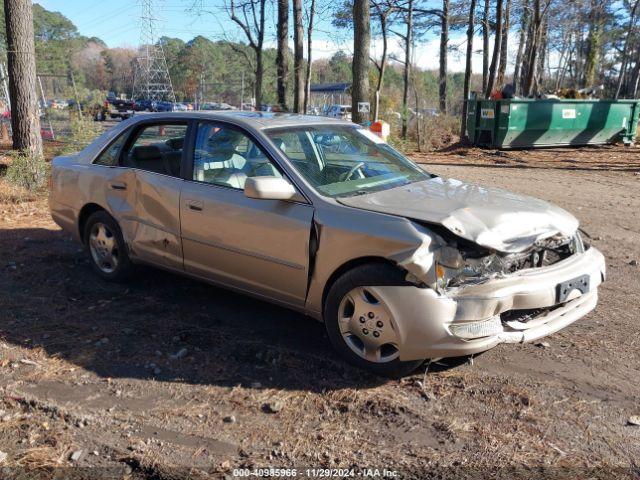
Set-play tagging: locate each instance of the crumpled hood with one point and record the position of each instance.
(491, 217)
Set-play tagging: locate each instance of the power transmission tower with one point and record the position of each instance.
(151, 80)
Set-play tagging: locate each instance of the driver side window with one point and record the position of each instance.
(226, 156)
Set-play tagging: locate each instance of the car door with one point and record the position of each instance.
(261, 246)
(154, 152)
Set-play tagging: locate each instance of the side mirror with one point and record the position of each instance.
(269, 188)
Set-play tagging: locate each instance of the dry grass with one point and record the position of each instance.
(44, 441)
(14, 195)
(44, 367)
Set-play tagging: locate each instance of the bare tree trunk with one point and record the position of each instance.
(532, 60)
(517, 69)
(565, 67)
(360, 65)
(529, 50)
(485, 44)
(282, 59)
(444, 44)
(25, 121)
(252, 23)
(495, 58)
(259, 56)
(382, 66)
(625, 50)
(633, 85)
(307, 85)
(563, 58)
(542, 48)
(594, 42)
(504, 44)
(418, 125)
(298, 57)
(259, 75)
(407, 69)
(468, 70)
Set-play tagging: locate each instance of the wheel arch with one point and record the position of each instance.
(85, 212)
(350, 265)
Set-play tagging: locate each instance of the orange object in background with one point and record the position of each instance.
(381, 128)
(496, 95)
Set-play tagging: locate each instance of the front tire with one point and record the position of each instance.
(106, 248)
(359, 324)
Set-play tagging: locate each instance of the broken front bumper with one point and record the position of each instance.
(473, 318)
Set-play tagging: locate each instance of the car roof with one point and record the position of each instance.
(255, 120)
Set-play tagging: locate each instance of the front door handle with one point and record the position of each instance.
(195, 205)
(118, 186)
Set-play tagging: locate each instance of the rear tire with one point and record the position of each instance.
(106, 248)
(346, 299)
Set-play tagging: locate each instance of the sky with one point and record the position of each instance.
(117, 23)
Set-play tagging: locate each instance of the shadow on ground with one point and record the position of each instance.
(54, 301)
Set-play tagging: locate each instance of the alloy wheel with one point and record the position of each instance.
(366, 326)
(104, 248)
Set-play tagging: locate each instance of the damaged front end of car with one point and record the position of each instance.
(465, 263)
(494, 297)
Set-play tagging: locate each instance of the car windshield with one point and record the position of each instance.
(341, 160)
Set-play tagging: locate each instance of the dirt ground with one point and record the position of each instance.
(170, 378)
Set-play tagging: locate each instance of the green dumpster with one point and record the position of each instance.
(527, 123)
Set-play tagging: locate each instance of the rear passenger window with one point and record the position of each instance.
(158, 149)
(110, 156)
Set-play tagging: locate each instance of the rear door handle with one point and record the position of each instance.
(195, 205)
(118, 186)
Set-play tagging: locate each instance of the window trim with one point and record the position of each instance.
(128, 134)
(188, 177)
(138, 127)
(124, 135)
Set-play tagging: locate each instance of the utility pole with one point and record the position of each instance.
(21, 56)
(152, 80)
(242, 93)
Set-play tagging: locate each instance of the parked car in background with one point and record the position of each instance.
(164, 106)
(216, 106)
(322, 216)
(119, 107)
(145, 105)
(342, 112)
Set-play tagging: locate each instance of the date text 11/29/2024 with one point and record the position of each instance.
(315, 473)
